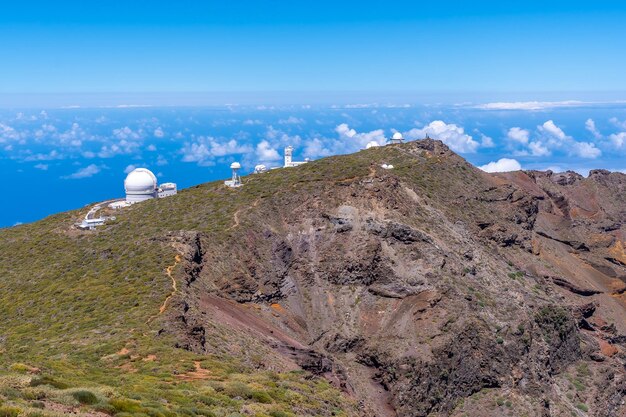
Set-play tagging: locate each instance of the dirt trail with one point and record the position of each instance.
(236, 214)
(168, 271)
(198, 374)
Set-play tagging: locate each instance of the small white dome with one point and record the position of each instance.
(260, 168)
(397, 136)
(140, 180)
(235, 165)
(371, 144)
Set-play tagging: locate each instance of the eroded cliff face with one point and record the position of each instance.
(430, 289)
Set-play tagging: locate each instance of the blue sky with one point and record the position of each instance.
(280, 46)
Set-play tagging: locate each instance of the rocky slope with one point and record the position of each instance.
(429, 289)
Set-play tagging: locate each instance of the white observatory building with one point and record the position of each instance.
(259, 169)
(396, 139)
(235, 181)
(288, 162)
(141, 185)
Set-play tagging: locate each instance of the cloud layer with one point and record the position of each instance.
(502, 165)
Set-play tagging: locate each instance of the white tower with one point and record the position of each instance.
(235, 181)
(288, 154)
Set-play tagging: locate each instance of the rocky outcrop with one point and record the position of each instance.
(416, 289)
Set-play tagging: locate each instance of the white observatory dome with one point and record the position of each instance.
(397, 136)
(371, 144)
(140, 185)
(235, 165)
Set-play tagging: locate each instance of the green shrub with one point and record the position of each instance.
(125, 405)
(85, 397)
(10, 393)
(10, 411)
(20, 367)
(261, 397)
(280, 413)
(237, 389)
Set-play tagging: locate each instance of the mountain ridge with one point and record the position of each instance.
(432, 288)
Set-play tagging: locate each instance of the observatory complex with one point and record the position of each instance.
(141, 185)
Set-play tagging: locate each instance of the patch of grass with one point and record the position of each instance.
(6, 411)
(582, 407)
(46, 380)
(85, 397)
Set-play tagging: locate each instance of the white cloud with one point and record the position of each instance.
(228, 148)
(50, 156)
(151, 148)
(315, 148)
(519, 135)
(74, 136)
(553, 130)
(8, 133)
(585, 150)
(590, 125)
(452, 135)
(161, 160)
(557, 139)
(502, 165)
(486, 141)
(530, 105)
(354, 140)
(538, 149)
(196, 152)
(618, 139)
(125, 133)
(205, 149)
(129, 169)
(86, 172)
(251, 122)
(291, 120)
(43, 167)
(266, 153)
(158, 132)
(618, 123)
